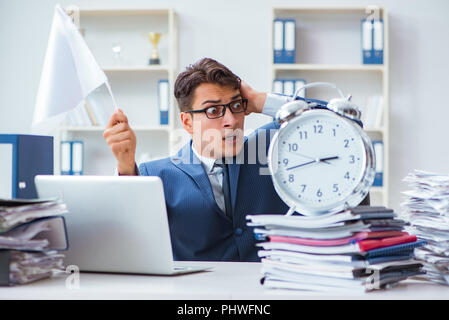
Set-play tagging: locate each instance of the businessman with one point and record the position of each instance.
(217, 178)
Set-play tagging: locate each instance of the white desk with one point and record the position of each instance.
(228, 280)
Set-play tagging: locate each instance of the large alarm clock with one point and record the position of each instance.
(321, 161)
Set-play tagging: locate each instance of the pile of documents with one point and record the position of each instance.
(359, 249)
(31, 234)
(427, 208)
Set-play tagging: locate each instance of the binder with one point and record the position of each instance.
(378, 42)
(77, 157)
(367, 41)
(298, 84)
(56, 233)
(289, 87)
(400, 249)
(379, 156)
(278, 86)
(289, 40)
(278, 41)
(72, 157)
(163, 101)
(22, 157)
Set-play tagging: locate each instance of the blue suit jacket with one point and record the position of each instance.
(199, 229)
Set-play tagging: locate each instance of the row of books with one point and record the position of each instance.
(284, 41)
(359, 249)
(32, 234)
(426, 206)
(97, 109)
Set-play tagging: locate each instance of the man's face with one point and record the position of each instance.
(220, 137)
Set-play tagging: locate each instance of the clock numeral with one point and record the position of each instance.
(291, 178)
(319, 193)
(303, 187)
(285, 161)
(318, 128)
(335, 187)
(292, 147)
(303, 135)
(351, 159)
(346, 143)
(347, 175)
(334, 132)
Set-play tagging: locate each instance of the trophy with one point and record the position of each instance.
(154, 38)
(117, 50)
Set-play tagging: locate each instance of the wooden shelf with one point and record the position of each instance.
(101, 128)
(375, 130)
(123, 12)
(377, 189)
(327, 67)
(324, 10)
(149, 68)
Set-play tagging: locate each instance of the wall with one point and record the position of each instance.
(235, 33)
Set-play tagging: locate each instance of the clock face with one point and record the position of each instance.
(320, 161)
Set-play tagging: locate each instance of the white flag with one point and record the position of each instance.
(70, 73)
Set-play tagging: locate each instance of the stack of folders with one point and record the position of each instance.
(359, 249)
(427, 208)
(31, 234)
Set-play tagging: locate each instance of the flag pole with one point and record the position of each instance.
(112, 96)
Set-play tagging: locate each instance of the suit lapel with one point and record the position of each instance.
(191, 165)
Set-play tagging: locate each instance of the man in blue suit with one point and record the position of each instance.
(219, 176)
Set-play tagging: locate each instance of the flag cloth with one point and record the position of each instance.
(70, 73)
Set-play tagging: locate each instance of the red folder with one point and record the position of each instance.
(367, 245)
(358, 237)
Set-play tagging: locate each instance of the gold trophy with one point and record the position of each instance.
(154, 38)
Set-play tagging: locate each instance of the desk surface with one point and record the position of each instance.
(227, 280)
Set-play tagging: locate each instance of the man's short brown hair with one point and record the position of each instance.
(205, 70)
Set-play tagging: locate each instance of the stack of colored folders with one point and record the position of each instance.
(359, 249)
(32, 232)
(427, 208)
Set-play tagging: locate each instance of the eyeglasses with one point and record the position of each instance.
(219, 110)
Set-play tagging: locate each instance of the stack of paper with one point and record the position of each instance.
(30, 233)
(360, 249)
(427, 208)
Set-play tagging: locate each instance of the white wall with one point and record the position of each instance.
(235, 33)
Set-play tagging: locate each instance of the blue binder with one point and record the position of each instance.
(289, 40)
(367, 41)
(30, 155)
(278, 41)
(378, 146)
(372, 41)
(163, 100)
(378, 42)
(72, 157)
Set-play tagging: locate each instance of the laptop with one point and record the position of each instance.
(115, 224)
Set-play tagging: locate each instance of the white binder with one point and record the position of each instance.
(289, 87)
(278, 86)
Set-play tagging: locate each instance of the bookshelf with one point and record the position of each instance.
(133, 81)
(328, 48)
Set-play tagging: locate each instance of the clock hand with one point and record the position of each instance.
(300, 165)
(316, 160)
(328, 158)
